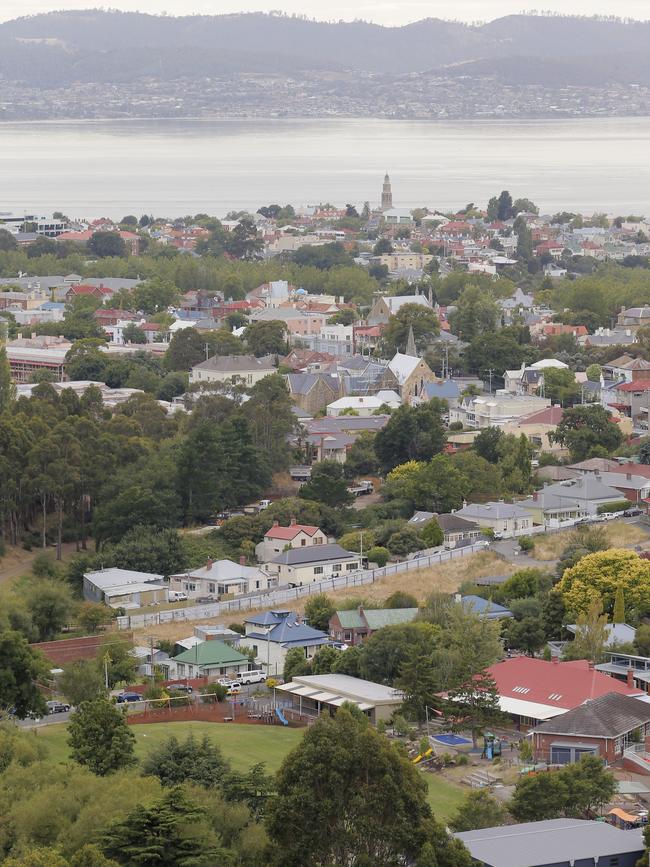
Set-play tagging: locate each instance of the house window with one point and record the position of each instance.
(337, 567)
(318, 570)
(191, 587)
(303, 542)
(347, 636)
(352, 566)
(211, 588)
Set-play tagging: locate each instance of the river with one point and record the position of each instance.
(174, 167)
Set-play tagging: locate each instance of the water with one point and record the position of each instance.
(188, 166)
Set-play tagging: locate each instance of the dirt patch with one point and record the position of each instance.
(18, 562)
(619, 534)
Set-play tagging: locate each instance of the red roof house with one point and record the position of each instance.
(534, 690)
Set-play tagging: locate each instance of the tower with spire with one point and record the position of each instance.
(386, 195)
(410, 344)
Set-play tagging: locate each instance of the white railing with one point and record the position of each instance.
(267, 598)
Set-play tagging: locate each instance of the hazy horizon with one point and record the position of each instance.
(385, 12)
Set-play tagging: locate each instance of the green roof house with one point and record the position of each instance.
(210, 659)
(353, 626)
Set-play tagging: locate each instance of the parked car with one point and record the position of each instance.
(203, 599)
(254, 676)
(181, 687)
(233, 689)
(57, 707)
(632, 513)
(224, 681)
(129, 696)
(498, 536)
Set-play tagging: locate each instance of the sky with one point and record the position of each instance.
(387, 12)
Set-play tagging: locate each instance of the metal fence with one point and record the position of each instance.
(267, 598)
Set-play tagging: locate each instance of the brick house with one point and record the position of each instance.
(353, 626)
(604, 727)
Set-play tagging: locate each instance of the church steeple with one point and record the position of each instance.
(386, 195)
(410, 344)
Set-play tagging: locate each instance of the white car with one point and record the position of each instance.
(233, 689)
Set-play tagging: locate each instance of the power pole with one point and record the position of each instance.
(490, 373)
(207, 351)
(153, 677)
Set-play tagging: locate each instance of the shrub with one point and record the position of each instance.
(618, 506)
(526, 543)
(378, 555)
(214, 692)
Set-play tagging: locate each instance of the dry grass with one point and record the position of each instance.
(447, 578)
(619, 535)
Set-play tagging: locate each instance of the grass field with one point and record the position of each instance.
(619, 534)
(243, 746)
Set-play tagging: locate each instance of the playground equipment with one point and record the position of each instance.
(422, 756)
(491, 746)
(281, 717)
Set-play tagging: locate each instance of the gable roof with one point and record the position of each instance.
(115, 577)
(290, 533)
(211, 653)
(221, 570)
(402, 366)
(237, 363)
(550, 415)
(485, 607)
(607, 716)
(376, 618)
(314, 554)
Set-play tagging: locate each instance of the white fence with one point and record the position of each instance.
(283, 595)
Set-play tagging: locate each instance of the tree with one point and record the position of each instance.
(115, 658)
(526, 205)
(420, 683)
(132, 333)
(485, 479)
(269, 412)
(318, 611)
(186, 348)
(373, 818)
(86, 360)
(7, 387)
(105, 244)
(560, 386)
(100, 738)
(81, 681)
(577, 791)
(267, 337)
(21, 668)
(486, 444)
(474, 705)
(524, 240)
(404, 542)
(476, 312)
(91, 856)
(413, 433)
(597, 577)
(196, 761)
(526, 634)
(644, 453)
(504, 206)
(323, 257)
(361, 458)
(586, 430)
(41, 857)
(324, 660)
(7, 241)
(386, 650)
(51, 606)
(166, 833)
(92, 615)
(295, 664)
(540, 797)
(326, 485)
(594, 372)
(591, 634)
(478, 810)
(378, 555)
(423, 321)
(496, 351)
(436, 486)
(383, 247)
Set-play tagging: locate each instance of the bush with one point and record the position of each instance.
(462, 759)
(214, 692)
(526, 543)
(404, 542)
(618, 506)
(378, 555)
(238, 627)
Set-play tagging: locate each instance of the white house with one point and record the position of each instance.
(221, 578)
(299, 566)
(244, 369)
(277, 539)
(366, 405)
(272, 634)
(508, 519)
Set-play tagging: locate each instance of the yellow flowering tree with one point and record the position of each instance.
(600, 576)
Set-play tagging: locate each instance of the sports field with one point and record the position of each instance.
(243, 746)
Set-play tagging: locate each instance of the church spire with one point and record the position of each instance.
(386, 195)
(410, 344)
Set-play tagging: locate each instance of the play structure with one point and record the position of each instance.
(422, 756)
(491, 746)
(281, 716)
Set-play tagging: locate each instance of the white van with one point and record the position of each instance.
(177, 596)
(254, 676)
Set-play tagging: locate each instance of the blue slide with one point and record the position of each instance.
(281, 717)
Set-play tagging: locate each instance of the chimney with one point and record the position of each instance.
(293, 521)
(242, 560)
(208, 565)
(630, 678)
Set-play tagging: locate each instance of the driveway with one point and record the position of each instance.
(509, 549)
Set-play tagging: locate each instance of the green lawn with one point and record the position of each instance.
(243, 746)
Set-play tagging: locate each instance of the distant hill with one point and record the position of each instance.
(61, 48)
